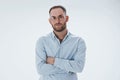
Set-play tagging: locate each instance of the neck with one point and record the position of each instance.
(61, 35)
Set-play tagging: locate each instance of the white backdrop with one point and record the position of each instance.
(22, 22)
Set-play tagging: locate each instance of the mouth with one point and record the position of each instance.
(59, 24)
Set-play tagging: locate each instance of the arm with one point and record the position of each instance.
(75, 65)
(42, 67)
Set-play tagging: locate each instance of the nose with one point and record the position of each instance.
(57, 20)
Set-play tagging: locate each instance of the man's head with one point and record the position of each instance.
(58, 18)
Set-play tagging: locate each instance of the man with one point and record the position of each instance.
(60, 54)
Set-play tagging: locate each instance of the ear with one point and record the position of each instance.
(67, 18)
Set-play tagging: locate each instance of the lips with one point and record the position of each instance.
(59, 24)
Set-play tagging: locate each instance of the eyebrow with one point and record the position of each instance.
(57, 16)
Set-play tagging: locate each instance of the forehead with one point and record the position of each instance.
(57, 12)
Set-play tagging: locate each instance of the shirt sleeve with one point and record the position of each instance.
(75, 65)
(42, 67)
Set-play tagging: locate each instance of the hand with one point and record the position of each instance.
(50, 60)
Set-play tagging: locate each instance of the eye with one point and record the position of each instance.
(53, 17)
(60, 16)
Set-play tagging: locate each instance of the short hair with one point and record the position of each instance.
(58, 6)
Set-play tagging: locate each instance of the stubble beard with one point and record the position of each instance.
(61, 29)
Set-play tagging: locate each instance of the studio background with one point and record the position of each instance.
(22, 22)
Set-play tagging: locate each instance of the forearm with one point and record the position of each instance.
(69, 65)
(43, 68)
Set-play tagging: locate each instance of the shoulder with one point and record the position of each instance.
(73, 36)
(43, 38)
(78, 39)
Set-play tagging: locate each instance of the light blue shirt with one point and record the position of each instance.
(69, 57)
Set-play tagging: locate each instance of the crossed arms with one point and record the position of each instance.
(50, 65)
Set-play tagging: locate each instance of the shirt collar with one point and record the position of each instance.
(54, 36)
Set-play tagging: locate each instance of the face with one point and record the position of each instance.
(58, 19)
